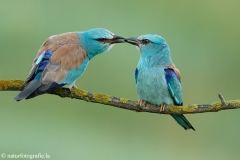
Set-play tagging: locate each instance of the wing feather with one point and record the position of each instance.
(63, 53)
(174, 85)
(173, 78)
(136, 75)
(177, 72)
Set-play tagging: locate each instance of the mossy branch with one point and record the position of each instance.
(14, 85)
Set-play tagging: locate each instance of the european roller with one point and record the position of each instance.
(63, 58)
(158, 81)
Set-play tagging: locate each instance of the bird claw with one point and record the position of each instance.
(162, 107)
(74, 87)
(140, 102)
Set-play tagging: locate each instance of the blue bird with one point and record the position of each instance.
(158, 81)
(63, 58)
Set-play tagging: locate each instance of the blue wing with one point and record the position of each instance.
(175, 89)
(34, 78)
(136, 75)
(38, 67)
(58, 56)
(174, 86)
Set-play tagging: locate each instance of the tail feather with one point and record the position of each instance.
(34, 84)
(30, 77)
(182, 120)
(48, 88)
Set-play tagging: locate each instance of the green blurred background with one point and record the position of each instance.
(204, 42)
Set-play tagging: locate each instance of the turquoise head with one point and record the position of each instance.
(153, 48)
(98, 40)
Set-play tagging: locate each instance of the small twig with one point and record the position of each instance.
(222, 99)
(123, 103)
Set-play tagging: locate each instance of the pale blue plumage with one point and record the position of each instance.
(63, 58)
(156, 79)
(40, 58)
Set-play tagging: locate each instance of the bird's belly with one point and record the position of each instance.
(153, 89)
(73, 74)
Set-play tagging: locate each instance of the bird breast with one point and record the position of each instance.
(152, 86)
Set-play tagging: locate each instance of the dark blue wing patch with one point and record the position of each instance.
(169, 74)
(136, 75)
(44, 61)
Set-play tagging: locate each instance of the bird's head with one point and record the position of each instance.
(98, 40)
(152, 47)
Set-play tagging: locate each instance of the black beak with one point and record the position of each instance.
(133, 41)
(117, 39)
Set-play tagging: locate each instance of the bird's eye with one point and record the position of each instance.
(101, 39)
(145, 41)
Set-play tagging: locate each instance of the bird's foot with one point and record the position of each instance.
(70, 89)
(140, 102)
(162, 107)
(74, 87)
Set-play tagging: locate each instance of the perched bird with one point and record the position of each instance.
(63, 58)
(157, 78)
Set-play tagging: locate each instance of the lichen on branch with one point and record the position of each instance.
(14, 85)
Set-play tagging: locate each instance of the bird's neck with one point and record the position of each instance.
(151, 61)
(155, 57)
(87, 45)
(91, 55)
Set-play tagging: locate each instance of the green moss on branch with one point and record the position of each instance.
(14, 85)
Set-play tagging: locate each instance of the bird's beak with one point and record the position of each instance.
(133, 41)
(117, 39)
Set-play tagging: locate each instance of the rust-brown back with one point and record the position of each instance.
(67, 54)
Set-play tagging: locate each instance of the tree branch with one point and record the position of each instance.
(14, 85)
